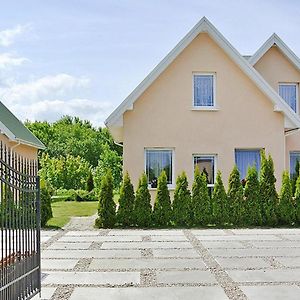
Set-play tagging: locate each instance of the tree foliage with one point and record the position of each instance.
(201, 204)
(65, 172)
(219, 202)
(46, 209)
(268, 194)
(126, 202)
(106, 207)
(252, 214)
(142, 204)
(182, 202)
(90, 182)
(162, 211)
(235, 197)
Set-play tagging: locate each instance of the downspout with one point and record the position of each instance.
(15, 146)
(121, 145)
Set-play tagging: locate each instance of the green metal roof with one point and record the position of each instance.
(15, 130)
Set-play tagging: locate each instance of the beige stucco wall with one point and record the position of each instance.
(23, 150)
(163, 115)
(276, 68)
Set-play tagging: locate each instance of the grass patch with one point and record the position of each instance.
(64, 210)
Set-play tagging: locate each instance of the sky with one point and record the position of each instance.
(84, 57)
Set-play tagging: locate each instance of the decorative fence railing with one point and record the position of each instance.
(20, 272)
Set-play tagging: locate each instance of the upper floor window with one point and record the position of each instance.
(156, 161)
(289, 92)
(204, 90)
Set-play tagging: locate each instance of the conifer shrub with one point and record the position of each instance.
(46, 209)
(235, 197)
(219, 202)
(253, 205)
(295, 177)
(126, 202)
(286, 208)
(106, 207)
(182, 202)
(90, 182)
(201, 204)
(268, 194)
(162, 211)
(297, 200)
(142, 204)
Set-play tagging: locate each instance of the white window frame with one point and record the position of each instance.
(290, 152)
(215, 156)
(297, 93)
(213, 107)
(172, 185)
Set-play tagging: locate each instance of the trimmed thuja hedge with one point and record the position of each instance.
(255, 204)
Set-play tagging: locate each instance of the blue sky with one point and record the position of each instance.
(83, 57)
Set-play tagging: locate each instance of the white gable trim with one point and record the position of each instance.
(116, 118)
(274, 39)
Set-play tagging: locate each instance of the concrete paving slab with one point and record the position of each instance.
(289, 261)
(92, 278)
(272, 292)
(59, 264)
(47, 293)
(49, 233)
(146, 232)
(242, 262)
(238, 238)
(69, 246)
(91, 253)
(100, 239)
(292, 237)
(276, 244)
(146, 245)
(209, 232)
(175, 277)
(151, 293)
(255, 252)
(267, 231)
(168, 238)
(274, 275)
(83, 233)
(45, 239)
(146, 263)
(222, 244)
(175, 253)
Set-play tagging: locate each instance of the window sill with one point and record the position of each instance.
(170, 188)
(206, 108)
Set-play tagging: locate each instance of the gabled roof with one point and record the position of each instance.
(15, 130)
(275, 40)
(115, 120)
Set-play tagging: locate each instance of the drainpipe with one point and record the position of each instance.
(291, 131)
(121, 145)
(15, 146)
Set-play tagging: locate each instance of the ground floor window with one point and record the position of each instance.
(294, 156)
(156, 161)
(245, 158)
(206, 165)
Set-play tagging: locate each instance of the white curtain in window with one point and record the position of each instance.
(289, 93)
(203, 90)
(294, 156)
(245, 159)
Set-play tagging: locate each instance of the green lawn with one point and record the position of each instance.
(64, 210)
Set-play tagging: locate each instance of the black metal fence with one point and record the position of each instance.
(20, 272)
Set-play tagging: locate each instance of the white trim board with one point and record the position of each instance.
(116, 118)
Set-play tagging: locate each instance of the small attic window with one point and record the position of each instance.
(289, 93)
(204, 90)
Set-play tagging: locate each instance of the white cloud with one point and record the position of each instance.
(8, 36)
(8, 60)
(50, 97)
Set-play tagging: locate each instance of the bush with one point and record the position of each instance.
(90, 182)
(297, 200)
(162, 206)
(182, 202)
(295, 177)
(286, 209)
(235, 197)
(268, 194)
(107, 207)
(252, 214)
(46, 209)
(219, 202)
(201, 204)
(126, 202)
(142, 204)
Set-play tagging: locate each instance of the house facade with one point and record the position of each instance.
(206, 105)
(16, 136)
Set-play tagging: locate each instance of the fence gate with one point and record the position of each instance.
(20, 272)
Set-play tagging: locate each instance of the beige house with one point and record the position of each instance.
(15, 135)
(205, 104)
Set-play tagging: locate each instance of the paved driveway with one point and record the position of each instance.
(251, 264)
